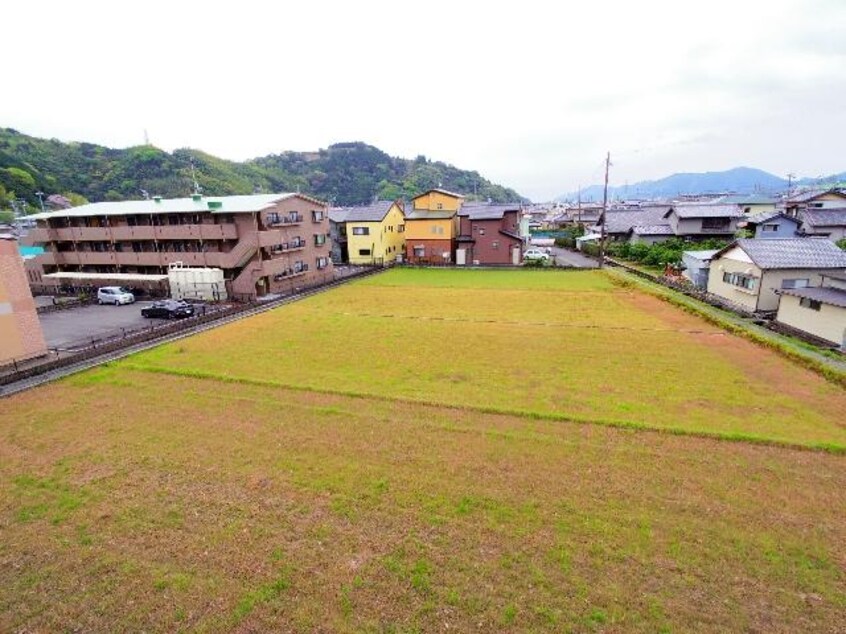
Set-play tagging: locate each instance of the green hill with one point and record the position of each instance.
(344, 173)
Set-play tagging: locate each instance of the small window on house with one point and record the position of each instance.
(400, 228)
(481, 231)
(769, 228)
(319, 239)
(322, 262)
(440, 205)
(273, 218)
(317, 216)
(716, 223)
(419, 252)
(794, 283)
(812, 304)
(364, 251)
(495, 245)
(739, 279)
(361, 231)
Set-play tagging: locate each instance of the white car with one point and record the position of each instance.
(116, 295)
(535, 254)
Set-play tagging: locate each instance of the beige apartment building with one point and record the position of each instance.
(20, 332)
(265, 243)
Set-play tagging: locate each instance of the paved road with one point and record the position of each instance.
(565, 257)
(76, 327)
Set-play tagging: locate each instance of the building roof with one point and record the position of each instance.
(375, 212)
(705, 254)
(423, 214)
(808, 196)
(765, 216)
(118, 277)
(488, 211)
(826, 295)
(825, 217)
(705, 211)
(752, 199)
(339, 214)
(653, 230)
(438, 191)
(624, 221)
(213, 204)
(790, 253)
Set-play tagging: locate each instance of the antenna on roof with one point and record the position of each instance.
(197, 188)
(145, 194)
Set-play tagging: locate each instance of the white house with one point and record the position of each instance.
(818, 311)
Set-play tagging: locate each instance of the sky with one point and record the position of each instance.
(530, 94)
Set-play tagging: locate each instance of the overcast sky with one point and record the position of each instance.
(530, 94)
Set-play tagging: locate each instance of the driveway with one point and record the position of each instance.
(565, 257)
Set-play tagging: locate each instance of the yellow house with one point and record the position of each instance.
(375, 233)
(432, 227)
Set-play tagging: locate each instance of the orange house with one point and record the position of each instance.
(431, 227)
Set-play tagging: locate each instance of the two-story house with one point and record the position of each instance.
(489, 235)
(431, 227)
(263, 243)
(796, 205)
(703, 221)
(748, 272)
(375, 233)
(772, 224)
(829, 223)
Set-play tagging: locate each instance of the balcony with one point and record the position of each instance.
(280, 221)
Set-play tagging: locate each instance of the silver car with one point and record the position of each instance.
(116, 295)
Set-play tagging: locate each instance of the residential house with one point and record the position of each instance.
(489, 235)
(264, 243)
(818, 311)
(750, 205)
(431, 227)
(338, 234)
(796, 205)
(748, 272)
(697, 265)
(20, 330)
(703, 220)
(771, 224)
(619, 224)
(829, 223)
(375, 233)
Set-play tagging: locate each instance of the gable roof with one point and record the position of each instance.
(623, 221)
(751, 199)
(488, 211)
(825, 217)
(213, 204)
(437, 191)
(375, 212)
(766, 216)
(705, 211)
(339, 214)
(808, 196)
(790, 253)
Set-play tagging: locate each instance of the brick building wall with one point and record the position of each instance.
(20, 332)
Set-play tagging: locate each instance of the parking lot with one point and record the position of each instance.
(80, 327)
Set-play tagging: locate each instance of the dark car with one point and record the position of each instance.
(168, 309)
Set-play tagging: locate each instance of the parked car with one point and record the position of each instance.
(535, 253)
(168, 309)
(116, 295)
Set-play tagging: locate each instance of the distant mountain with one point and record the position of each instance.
(740, 180)
(343, 174)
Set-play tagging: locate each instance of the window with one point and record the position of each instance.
(322, 262)
(361, 231)
(797, 283)
(716, 223)
(317, 216)
(495, 245)
(419, 252)
(813, 304)
(364, 251)
(319, 239)
(769, 228)
(739, 279)
(481, 231)
(437, 230)
(440, 205)
(400, 228)
(273, 218)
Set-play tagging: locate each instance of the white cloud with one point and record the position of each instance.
(529, 94)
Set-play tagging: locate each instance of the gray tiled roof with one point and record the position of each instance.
(653, 230)
(487, 212)
(810, 195)
(623, 221)
(792, 253)
(751, 199)
(764, 216)
(833, 296)
(339, 214)
(706, 211)
(825, 217)
(369, 213)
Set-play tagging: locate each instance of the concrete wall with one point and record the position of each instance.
(828, 323)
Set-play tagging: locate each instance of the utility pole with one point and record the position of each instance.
(604, 210)
(40, 200)
(579, 204)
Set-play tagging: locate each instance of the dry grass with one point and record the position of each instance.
(210, 505)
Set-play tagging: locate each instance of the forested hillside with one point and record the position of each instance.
(344, 173)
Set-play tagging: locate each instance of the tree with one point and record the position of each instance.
(6, 217)
(841, 243)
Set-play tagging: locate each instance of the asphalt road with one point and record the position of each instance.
(76, 327)
(565, 257)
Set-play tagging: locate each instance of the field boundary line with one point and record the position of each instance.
(827, 447)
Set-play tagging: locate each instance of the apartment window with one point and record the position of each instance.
(317, 216)
(273, 218)
(716, 223)
(361, 231)
(319, 239)
(813, 304)
(419, 252)
(322, 262)
(299, 266)
(364, 251)
(794, 283)
(481, 231)
(741, 280)
(495, 245)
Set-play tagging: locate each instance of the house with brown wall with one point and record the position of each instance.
(264, 243)
(489, 235)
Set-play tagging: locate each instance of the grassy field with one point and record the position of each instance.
(288, 487)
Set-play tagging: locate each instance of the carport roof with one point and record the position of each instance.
(118, 277)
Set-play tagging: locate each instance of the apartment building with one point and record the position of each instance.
(264, 243)
(20, 332)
